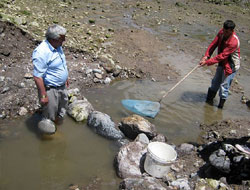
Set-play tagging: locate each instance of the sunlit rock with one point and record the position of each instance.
(20, 20)
(187, 148)
(80, 109)
(160, 138)
(73, 92)
(35, 24)
(106, 58)
(102, 124)
(181, 183)
(28, 76)
(133, 125)
(107, 80)
(98, 75)
(128, 159)
(22, 111)
(97, 71)
(210, 184)
(145, 183)
(142, 138)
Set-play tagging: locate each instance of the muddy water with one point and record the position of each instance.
(74, 155)
(182, 110)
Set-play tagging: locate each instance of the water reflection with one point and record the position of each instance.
(211, 113)
(54, 165)
(73, 155)
(32, 124)
(193, 97)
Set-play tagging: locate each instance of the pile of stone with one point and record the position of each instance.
(196, 167)
(232, 160)
(132, 135)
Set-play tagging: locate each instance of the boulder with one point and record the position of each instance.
(22, 111)
(73, 92)
(130, 159)
(181, 183)
(98, 75)
(145, 183)
(209, 183)
(220, 160)
(186, 148)
(142, 138)
(102, 124)
(159, 138)
(80, 109)
(107, 80)
(133, 125)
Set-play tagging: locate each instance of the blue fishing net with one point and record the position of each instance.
(142, 107)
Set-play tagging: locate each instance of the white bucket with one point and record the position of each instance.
(159, 158)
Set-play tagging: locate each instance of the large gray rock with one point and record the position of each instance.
(159, 138)
(219, 160)
(80, 109)
(129, 160)
(145, 183)
(73, 92)
(102, 124)
(133, 125)
(186, 148)
(142, 138)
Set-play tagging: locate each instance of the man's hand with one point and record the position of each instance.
(42, 91)
(67, 83)
(44, 100)
(203, 61)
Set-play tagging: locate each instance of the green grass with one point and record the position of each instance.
(24, 12)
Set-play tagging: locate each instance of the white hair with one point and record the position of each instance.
(55, 31)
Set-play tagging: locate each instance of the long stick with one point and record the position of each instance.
(178, 83)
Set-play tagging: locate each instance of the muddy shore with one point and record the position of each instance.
(131, 49)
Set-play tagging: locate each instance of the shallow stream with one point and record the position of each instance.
(76, 155)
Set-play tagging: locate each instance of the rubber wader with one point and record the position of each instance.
(221, 104)
(210, 96)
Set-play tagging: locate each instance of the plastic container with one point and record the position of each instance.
(159, 158)
(47, 126)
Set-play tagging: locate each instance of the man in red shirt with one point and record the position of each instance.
(228, 59)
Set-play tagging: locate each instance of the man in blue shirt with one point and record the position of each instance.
(51, 73)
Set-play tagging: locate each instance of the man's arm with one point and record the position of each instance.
(42, 91)
(210, 49)
(212, 46)
(223, 55)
